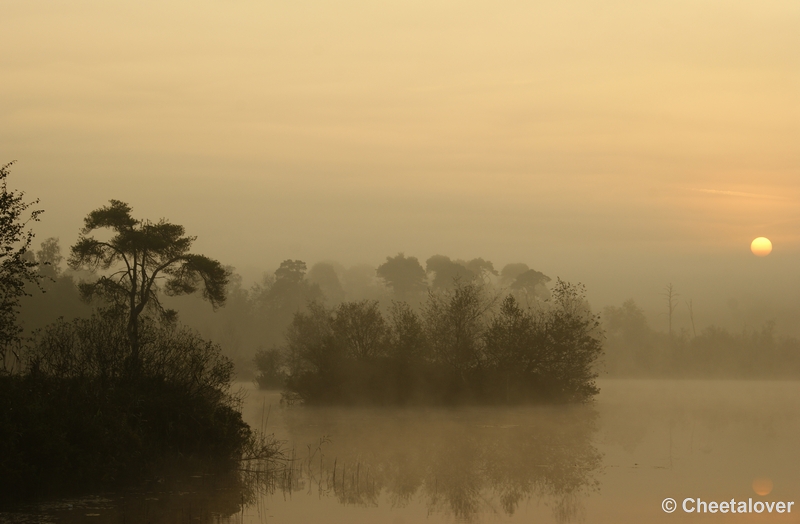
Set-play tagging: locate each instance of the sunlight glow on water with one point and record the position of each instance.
(762, 485)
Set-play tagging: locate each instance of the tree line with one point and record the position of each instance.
(438, 333)
(464, 345)
(256, 317)
(635, 349)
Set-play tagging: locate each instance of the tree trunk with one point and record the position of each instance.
(133, 321)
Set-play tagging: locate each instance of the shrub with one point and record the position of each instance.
(75, 416)
(270, 363)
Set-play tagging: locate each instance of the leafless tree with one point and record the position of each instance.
(672, 302)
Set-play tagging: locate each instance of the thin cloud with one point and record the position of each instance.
(736, 194)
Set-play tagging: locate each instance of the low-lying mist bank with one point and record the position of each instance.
(634, 349)
(254, 322)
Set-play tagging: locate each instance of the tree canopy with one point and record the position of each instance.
(17, 266)
(404, 275)
(459, 348)
(141, 259)
(529, 280)
(447, 272)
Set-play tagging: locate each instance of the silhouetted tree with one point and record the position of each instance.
(446, 272)
(480, 267)
(573, 341)
(511, 272)
(548, 351)
(143, 257)
(279, 297)
(17, 268)
(404, 275)
(270, 363)
(360, 329)
(49, 258)
(291, 271)
(289, 290)
(511, 343)
(530, 282)
(454, 323)
(406, 333)
(324, 275)
(671, 296)
(452, 353)
(311, 342)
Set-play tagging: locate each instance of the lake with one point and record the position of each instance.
(615, 460)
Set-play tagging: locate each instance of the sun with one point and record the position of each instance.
(761, 247)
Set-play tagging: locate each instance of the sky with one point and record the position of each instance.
(623, 144)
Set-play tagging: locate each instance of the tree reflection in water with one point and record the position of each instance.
(197, 492)
(464, 462)
(467, 463)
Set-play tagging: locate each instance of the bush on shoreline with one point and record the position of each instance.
(77, 416)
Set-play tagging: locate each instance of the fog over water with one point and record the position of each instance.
(613, 461)
(337, 159)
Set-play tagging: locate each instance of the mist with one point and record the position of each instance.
(386, 262)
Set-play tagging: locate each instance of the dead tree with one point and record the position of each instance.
(672, 302)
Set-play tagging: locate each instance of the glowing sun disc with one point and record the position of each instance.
(761, 247)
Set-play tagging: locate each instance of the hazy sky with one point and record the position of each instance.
(624, 144)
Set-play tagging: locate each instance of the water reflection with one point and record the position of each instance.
(462, 463)
(716, 440)
(207, 495)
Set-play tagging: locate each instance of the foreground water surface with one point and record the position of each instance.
(615, 460)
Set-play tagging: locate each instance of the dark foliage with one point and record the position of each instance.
(277, 299)
(270, 364)
(144, 258)
(446, 272)
(530, 281)
(458, 350)
(404, 275)
(17, 268)
(76, 417)
(359, 329)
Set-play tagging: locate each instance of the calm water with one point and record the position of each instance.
(613, 461)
